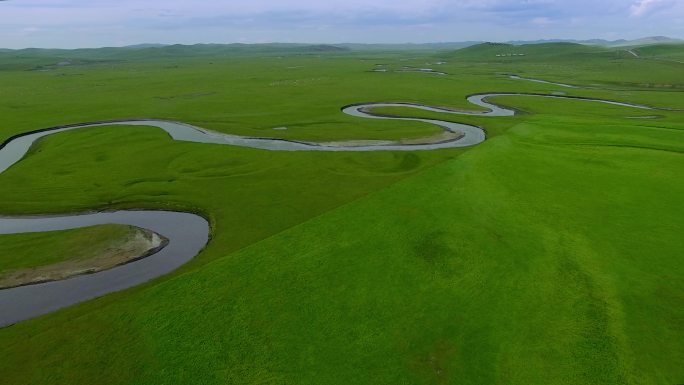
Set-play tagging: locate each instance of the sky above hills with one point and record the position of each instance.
(96, 23)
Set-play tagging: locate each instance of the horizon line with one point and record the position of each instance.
(551, 40)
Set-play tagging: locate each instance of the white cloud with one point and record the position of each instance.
(71, 23)
(643, 7)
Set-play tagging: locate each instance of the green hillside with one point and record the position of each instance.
(666, 51)
(528, 52)
(14, 59)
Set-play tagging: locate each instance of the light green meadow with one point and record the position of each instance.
(549, 254)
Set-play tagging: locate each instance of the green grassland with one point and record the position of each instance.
(549, 254)
(662, 51)
(24, 251)
(577, 64)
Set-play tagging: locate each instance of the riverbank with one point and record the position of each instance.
(106, 247)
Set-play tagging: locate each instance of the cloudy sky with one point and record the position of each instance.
(95, 23)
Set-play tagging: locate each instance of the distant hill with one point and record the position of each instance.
(304, 47)
(46, 59)
(178, 50)
(649, 41)
(409, 46)
(145, 45)
(144, 51)
(607, 43)
(547, 41)
(503, 51)
(470, 50)
(324, 48)
(661, 51)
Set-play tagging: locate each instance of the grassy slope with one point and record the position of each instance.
(20, 251)
(665, 51)
(540, 256)
(517, 267)
(554, 51)
(574, 64)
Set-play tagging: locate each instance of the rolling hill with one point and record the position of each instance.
(502, 51)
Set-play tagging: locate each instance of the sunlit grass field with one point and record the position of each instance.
(549, 254)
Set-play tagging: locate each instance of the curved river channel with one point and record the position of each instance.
(188, 233)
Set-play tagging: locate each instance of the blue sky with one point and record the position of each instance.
(95, 23)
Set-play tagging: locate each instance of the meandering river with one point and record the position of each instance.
(188, 233)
